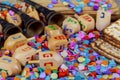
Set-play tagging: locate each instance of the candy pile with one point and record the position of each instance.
(82, 3)
(81, 62)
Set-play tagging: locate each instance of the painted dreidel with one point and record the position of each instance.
(48, 59)
(10, 64)
(14, 18)
(57, 43)
(14, 41)
(70, 26)
(51, 30)
(103, 19)
(51, 16)
(32, 12)
(24, 54)
(86, 21)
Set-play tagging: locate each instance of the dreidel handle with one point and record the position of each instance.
(33, 62)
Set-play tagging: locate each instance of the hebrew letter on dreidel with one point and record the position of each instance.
(48, 63)
(57, 43)
(86, 21)
(51, 30)
(103, 19)
(48, 59)
(70, 26)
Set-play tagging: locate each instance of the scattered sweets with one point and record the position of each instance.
(90, 3)
(54, 76)
(95, 4)
(50, 6)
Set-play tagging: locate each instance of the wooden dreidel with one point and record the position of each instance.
(32, 12)
(103, 19)
(48, 59)
(14, 41)
(14, 18)
(70, 26)
(10, 64)
(57, 43)
(86, 21)
(25, 53)
(51, 30)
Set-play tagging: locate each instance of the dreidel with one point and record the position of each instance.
(57, 42)
(14, 19)
(103, 19)
(86, 21)
(15, 41)
(10, 64)
(24, 54)
(32, 12)
(48, 59)
(70, 26)
(51, 30)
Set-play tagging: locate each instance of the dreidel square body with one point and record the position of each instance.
(87, 22)
(57, 43)
(70, 26)
(24, 53)
(14, 41)
(52, 30)
(50, 59)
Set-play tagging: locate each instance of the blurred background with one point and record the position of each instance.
(118, 1)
